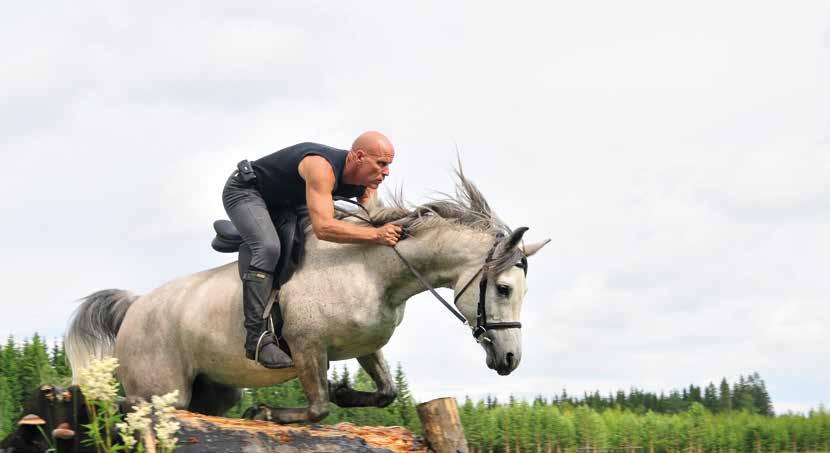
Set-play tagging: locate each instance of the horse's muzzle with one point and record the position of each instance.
(507, 365)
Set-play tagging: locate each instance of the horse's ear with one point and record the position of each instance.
(531, 249)
(511, 241)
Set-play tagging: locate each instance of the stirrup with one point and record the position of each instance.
(259, 342)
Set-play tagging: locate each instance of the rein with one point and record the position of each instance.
(480, 330)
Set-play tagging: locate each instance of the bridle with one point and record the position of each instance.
(482, 326)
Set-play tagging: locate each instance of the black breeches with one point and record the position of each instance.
(249, 214)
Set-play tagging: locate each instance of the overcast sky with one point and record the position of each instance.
(677, 154)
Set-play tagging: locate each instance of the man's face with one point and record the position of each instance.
(374, 166)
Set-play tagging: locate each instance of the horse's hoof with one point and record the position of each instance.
(258, 412)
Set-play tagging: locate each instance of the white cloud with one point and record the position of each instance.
(677, 155)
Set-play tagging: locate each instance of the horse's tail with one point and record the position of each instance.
(94, 326)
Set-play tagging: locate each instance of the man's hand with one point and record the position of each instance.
(388, 234)
(319, 181)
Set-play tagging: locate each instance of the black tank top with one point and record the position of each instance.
(278, 178)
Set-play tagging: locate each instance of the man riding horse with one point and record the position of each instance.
(304, 174)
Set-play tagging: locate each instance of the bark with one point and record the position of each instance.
(442, 425)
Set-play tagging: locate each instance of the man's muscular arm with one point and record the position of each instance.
(319, 182)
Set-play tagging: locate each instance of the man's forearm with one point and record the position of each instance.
(344, 232)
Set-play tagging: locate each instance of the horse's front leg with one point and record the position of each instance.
(311, 364)
(376, 368)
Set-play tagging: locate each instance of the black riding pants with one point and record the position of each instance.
(249, 214)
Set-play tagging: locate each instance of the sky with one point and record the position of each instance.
(676, 154)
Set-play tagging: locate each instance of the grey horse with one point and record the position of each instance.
(343, 302)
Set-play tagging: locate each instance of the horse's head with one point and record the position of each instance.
(502, 281)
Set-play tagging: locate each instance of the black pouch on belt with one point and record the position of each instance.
(246, 172)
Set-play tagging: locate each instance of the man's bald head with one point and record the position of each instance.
(374, 143)
(369, 160)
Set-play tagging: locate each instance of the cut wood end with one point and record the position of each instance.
(31, 419)
(63, 431)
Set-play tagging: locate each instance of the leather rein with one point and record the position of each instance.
(482, 326)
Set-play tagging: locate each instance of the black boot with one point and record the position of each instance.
(260, 344)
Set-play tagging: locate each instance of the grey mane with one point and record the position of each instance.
(467, 208)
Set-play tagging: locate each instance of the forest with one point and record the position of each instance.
(723, 418)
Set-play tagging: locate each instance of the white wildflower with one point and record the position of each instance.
(97, 381)
(126, 435)
(138, 421)
(165, 426)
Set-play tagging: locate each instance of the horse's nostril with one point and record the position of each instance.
(510, 359)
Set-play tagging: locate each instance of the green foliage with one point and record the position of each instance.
(727, 418)
(23, 368)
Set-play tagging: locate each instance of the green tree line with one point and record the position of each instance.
(747, 394)
(728, 418)
(520, 426)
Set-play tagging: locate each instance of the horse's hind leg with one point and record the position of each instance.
(376, 368)
(311, 365)
(212, 398)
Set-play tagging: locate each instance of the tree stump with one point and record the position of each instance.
(442, 425)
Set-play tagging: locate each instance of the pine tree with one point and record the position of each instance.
(724, 397)
(11, 360)
(345, 377)
(8, 407)
(620, 400)
(650, 438)
(760, 395)
(363, 382)
(59, 363)
(738, 391)
(404, 405)
(34, 366)
(710, 397)
(694, 394)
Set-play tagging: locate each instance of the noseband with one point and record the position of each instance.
(482, 326)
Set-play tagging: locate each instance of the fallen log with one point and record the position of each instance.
(60, 413)
(442, 425)
(202, 433)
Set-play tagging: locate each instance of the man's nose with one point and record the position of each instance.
(385, 171)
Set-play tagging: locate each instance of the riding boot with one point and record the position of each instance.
(260, 344)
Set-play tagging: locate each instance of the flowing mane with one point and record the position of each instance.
(467, 208)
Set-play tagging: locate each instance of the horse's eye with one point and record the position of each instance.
(503, 290)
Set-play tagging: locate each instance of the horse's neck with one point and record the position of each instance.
(440, 255)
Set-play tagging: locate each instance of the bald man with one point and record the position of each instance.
(304, 174)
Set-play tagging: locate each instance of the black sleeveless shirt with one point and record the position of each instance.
(278, 178)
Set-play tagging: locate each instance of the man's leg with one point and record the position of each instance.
(248, 212)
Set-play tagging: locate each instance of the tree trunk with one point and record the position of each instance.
(442, 425)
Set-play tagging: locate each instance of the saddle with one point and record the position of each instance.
(290, 225)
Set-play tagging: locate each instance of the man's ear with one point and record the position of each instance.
(359, 154)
